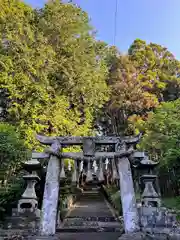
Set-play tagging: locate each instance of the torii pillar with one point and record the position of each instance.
(128, 200)
(51, 194)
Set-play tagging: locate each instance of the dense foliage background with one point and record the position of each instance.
(57, 79)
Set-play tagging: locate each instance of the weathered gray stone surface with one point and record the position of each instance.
(79, 140)
(90, 236)
(147, 236)
(55, 237)
(51, 194)
(91, 204)
(133, 236)
(80, 236)
(89, 144)
(151, 217)
(91, 214)
(130, 213)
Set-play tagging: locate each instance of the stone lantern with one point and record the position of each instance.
(135, 159)
(151, 214)
(149, 196)
(28, 201)
(27, 215)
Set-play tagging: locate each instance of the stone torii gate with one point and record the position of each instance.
(123, 148)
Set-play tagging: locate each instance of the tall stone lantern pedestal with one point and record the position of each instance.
(152, 216)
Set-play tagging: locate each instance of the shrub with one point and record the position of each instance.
(12, 154)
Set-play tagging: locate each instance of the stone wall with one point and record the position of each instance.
(157, 217)
(151, 236)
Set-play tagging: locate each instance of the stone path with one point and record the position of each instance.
(91, 218)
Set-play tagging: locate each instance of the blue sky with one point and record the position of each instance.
(155, 21)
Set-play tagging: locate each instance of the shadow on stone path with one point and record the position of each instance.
(91, 218)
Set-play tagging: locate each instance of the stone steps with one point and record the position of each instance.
(89, 230)
(81, 236)
(93, 218)
(90, 236)
(91, 215)
(90, 224)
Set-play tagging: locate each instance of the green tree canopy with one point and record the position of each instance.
(12, 151)
(12, 154)
(139, 82)
(52, 68)
(157, 69)
(162, 133)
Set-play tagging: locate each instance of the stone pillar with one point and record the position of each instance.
(128, 200)
(101, 172)
(114, 171)
(51, 195)
(75, 174)
(89, 172)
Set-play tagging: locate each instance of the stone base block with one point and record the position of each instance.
(21, 223)
(156, 217)
(26, 223)
(147, 236)
(134, 236)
